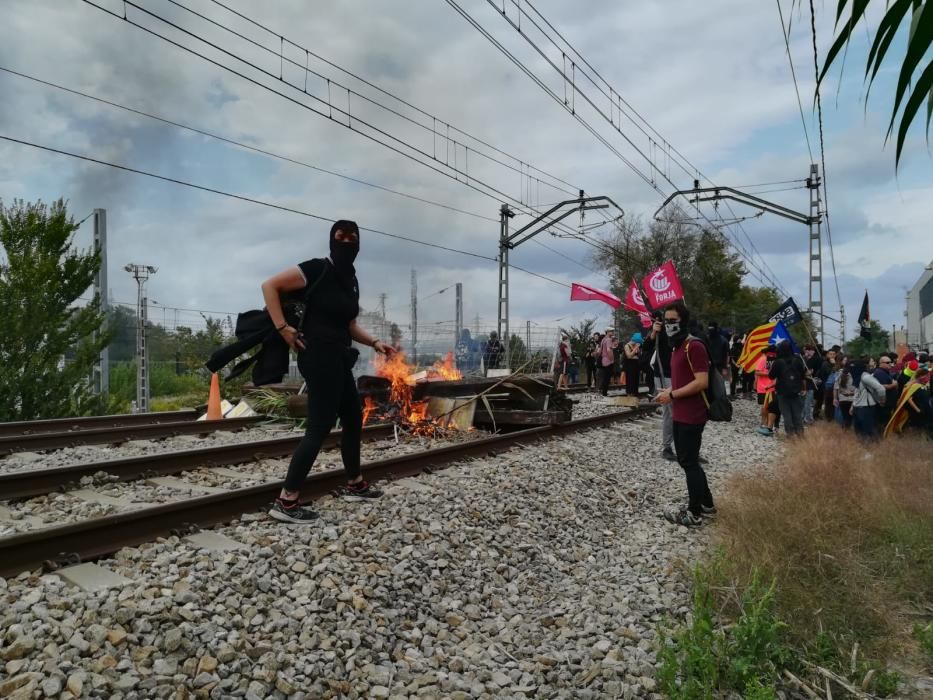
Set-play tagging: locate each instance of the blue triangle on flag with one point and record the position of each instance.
(780, 333)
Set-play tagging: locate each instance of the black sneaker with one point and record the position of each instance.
(291, 512)
(360, 491)
(682, 516)
(668, 454)
(709, 511)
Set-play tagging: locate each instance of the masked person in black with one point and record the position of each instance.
(325, 360)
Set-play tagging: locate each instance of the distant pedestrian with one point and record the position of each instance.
(493, 351)
(883, 374)
(735, 352)
(826, 375)
(764, 387)
(658, 346)
(845, 390)
(592, 353)
(606, 360)
(632, 364)
(563, 362)
(868, 394)
(789, 374)
(814, 396)
(690, 367)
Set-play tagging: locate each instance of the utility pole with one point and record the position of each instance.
(816, 247)
(527, 232)
(382, 312)
(459, 315)
(141, 274)
(414, 317)
(528, 337)
(502, 327)
(100, 379)
(842, 332)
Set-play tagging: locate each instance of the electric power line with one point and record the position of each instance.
(571, 109)
(819, 111)
(240, 144)
(469, 181)
(242, 198)
(786, 33)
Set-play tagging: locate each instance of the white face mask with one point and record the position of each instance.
(672, 328)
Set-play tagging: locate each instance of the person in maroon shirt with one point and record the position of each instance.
(689, 379)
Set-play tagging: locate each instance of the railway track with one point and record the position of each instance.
(35, 482)
(114, 434)
(60, 425)
(102, 536)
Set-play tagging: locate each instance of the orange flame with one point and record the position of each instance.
(401, 376)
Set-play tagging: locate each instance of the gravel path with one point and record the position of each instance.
(540, 573)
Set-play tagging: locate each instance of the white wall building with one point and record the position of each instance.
(920, 312)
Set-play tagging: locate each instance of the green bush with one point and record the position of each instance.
(700, 660)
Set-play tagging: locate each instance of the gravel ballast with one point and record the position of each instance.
(542, 572)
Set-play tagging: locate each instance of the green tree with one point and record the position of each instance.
(711, 273)
(47, 341)
(915, 77)
(860, 347)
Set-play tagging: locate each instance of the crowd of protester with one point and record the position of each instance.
(676, 357)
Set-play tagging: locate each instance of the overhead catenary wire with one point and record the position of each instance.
(398, 146)
(668, 149)
(246, 146)
(785, 31)
(612, 96)
(242, 198)
(819, 111)
(272, 205)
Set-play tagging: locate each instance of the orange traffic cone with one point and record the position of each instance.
(213, 399)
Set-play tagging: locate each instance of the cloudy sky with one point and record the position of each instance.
(458, 125)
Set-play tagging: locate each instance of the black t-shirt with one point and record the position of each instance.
(333, 302)
(891, 395)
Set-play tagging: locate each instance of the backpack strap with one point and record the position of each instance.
(311, 287)
(687, 353)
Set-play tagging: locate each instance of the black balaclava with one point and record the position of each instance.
(343, 253)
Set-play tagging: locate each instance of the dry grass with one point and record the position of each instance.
(847, 533)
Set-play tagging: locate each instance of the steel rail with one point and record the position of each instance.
(39, 442)
(35, 482)
(102, 536)
(58, 425)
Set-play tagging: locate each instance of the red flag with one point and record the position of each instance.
(584, 292)
(663, 286)
(635, 302)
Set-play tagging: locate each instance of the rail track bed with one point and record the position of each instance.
(141, 521)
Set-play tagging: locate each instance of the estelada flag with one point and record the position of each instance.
(900, 415)
(584, 292)
(663, 286)
(635, 302)
(755, 342)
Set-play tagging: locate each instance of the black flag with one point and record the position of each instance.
(787, 312)
(864, 319)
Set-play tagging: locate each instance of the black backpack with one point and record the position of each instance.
(716, 397)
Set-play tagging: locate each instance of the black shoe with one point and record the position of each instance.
(703, 460)
(668, 454)
(360, 491)
(708, 511)
(682, 516)
(291, 512)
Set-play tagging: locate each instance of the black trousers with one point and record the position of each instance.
(687, 440)
(590, 372)
(605, 374)
(632, 369)
(331, 394)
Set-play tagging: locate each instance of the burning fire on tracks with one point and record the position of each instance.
(401, 408)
